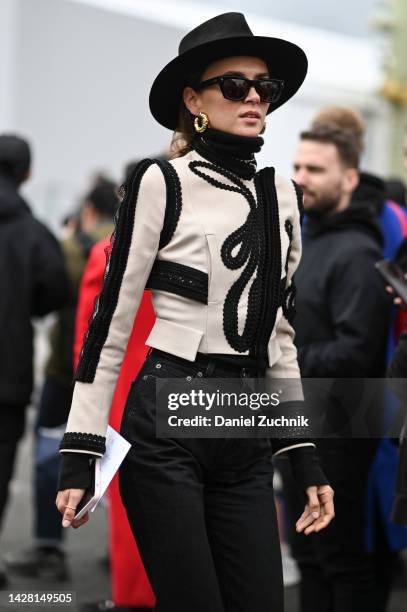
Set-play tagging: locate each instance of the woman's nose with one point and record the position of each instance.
(252, 96)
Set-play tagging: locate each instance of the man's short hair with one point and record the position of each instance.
(345, 142)
(343, 118)
(15, 158)
(104, 198)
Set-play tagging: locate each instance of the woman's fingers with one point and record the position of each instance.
(328, 510)
(326, 495)
(67, 501)
(82, 521)
(313, 501)
(304, 521)
(313, 520)
(62, 500)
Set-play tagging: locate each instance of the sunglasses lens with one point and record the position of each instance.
(270, 91)
(235, 89)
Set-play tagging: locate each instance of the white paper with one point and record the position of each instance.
(116, 450)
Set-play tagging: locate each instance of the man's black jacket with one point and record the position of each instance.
(33, 283)
(342, 309)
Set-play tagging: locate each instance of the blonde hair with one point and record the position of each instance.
(342, 118)
(183, 136)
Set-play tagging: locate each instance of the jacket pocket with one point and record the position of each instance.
(214, 261)
(174, 338)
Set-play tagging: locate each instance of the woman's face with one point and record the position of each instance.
(244, 118)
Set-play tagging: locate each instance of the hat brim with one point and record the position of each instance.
(285, 60)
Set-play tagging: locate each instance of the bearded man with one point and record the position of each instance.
(341, 329)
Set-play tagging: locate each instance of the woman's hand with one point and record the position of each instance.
(319, 510)
(67, 501)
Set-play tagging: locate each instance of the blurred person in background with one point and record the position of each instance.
(33, 284)
(372, 192)
(46, 558)
(341, 327)
(70, 224)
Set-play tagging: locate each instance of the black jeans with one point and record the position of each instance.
(201, 510)
(11, 430)
(337, 572)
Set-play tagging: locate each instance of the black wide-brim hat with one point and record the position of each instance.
(226, 35)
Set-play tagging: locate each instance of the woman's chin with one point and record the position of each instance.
(247, 130)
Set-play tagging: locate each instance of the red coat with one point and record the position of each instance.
(130, 585)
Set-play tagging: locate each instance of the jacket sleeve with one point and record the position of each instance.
(135, 245)
(51, 287)
(301, 449)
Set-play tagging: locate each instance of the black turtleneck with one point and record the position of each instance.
(230, 151)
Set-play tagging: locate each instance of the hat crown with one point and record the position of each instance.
(227, 25)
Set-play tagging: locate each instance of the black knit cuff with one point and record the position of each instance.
(399, 512)
(279, 444)
(306, 469)
(75, 440)
(76, 471)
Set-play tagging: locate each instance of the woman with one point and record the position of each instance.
(218, 244)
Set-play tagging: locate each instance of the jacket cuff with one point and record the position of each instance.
(399, 512)
(78, 441)
(306, 469)
(76, 471)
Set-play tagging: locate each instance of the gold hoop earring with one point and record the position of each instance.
(263, 129)
(201, 123)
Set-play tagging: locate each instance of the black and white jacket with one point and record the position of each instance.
(219, 252)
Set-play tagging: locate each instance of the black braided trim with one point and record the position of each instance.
(115, 268)
(289, 302)
(246, 238)
(173, 204)
(288, 298)
(300, 199)
(289, 231)
(270, 272)
(75, 440)
(179, 279)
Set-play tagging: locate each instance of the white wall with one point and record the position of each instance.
(83, 84)
(79, 80)
(8, 62)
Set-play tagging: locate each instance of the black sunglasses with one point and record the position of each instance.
(237, 88)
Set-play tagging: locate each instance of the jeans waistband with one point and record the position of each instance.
(210, 366)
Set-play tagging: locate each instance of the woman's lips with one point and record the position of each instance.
(250, 117)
